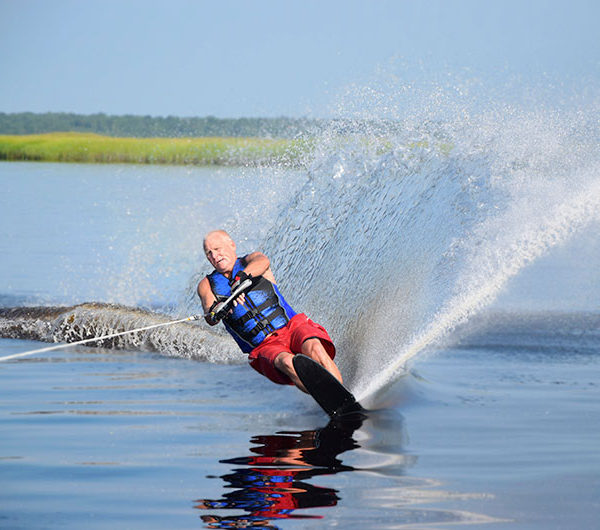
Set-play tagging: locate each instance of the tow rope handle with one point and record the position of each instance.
(239, 290)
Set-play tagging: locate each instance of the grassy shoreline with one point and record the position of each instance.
(94, 148)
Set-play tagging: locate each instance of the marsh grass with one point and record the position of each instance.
(93, 148)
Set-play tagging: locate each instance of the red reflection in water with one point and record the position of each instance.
(272, 484)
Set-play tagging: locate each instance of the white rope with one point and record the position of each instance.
(95, 339)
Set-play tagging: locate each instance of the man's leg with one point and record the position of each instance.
(314, 349)
(283, 362)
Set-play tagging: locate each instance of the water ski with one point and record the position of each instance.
(333, 397)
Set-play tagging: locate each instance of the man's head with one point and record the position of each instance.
(220, 251)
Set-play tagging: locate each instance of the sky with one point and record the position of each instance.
(278, 58)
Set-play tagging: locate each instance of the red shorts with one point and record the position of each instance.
(289, 339)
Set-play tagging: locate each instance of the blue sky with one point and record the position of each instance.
(272, 58)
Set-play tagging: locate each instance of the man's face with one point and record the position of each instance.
(220, 252)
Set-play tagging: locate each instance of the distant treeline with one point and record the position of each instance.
(152, 127)
(173, 127)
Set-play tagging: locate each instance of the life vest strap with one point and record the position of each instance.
(265, 324)
(255, 310)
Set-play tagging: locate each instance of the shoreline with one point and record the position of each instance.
(202, 151)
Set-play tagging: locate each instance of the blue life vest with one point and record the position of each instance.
(264, 311)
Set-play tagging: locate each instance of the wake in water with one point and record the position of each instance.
(87, 321)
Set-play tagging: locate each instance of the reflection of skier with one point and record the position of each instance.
(214, 521)
(270, 494)
(274, 484)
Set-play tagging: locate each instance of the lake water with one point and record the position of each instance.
(465, 308)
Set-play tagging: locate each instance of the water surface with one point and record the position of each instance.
(494, 425)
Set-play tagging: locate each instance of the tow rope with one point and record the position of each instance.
(234, 295)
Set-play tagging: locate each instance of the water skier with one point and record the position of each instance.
(260, 320)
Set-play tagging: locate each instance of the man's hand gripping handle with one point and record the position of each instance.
(218, 311)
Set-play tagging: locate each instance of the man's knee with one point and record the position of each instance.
(311, 345)
(283, 362)
(314, 348)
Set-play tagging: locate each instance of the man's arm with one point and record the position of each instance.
(207, 298)
(257, 264)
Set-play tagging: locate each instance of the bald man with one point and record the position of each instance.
(262, 323)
